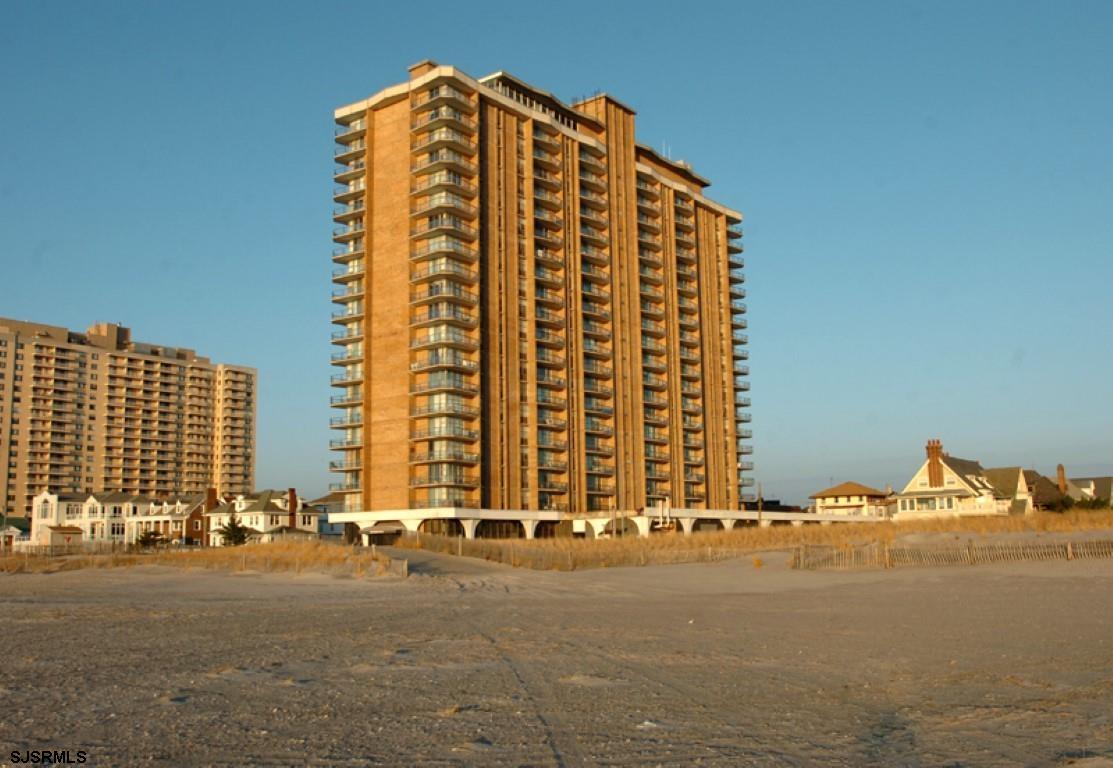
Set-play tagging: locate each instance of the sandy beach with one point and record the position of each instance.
(469, 663)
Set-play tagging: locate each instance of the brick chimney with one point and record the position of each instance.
(935, 463)
(1061, 477)
(292, 504)
(211, 501)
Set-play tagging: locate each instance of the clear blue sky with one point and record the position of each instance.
(928, 191)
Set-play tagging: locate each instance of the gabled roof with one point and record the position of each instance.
(849, 488)
(1044, 491)
(117, 497)
(1103, 486)
(1005, 479)
(72, 496)
(65, 529)
(973, 475)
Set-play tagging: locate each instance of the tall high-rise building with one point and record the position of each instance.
(534, 311)
(96, 412)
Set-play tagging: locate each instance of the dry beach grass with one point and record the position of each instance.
(574, 554)
(292, 557)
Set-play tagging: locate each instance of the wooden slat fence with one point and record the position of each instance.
(881, 555)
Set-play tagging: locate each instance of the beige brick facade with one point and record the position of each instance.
(533, 311)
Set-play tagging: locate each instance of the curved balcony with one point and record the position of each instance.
(444, 480)
(548, 317)
(350, 397)
(346, 133)
(547, 399)
(445, 433)
(443, 290)
(447, 408)
(593, 236)
(595, 311)
(345, 274)
(442, 246)
(545, 378)
(347, 233)
(546, 179)
(543, 198)
(435, 361)
(350, 172)
(651, 275)
(592, 163)
(594, 217)
(597, 349)
(346, 379)
(547, 219)
(594, 274)
(441, 95)
(346, 213)
(447, 138)
(351, 313)
(348, 292)
(443, 225)
(594, 255)
(347, 255)
(443, 202)
(444, 382)
(443, 182)
(546, 159)
(593, 182)
(346, 356)
(593, 291)
(444, 268)
(442, 116)
(547, 357)
(448, 313)
(445, 456)
(548, 297)
(346, 443)
(598, 330)
(444, 337)
(345, 153)
(547, 238)
(549, 277)
(442, 160)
